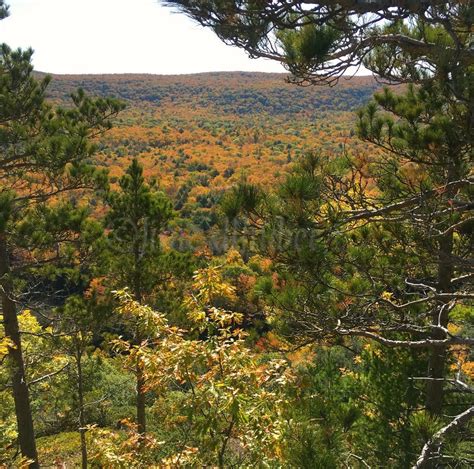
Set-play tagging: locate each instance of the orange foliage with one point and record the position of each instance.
(210, 129)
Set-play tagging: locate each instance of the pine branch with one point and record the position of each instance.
(431, 450)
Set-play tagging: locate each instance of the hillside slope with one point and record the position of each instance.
(237, 93)
(200, 134)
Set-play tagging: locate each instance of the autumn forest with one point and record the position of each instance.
(242, 269)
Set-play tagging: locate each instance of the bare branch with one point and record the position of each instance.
(50, 375)
(433, 446)
(453, 340)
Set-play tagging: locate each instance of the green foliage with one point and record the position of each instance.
(138, 205)
(138, 215)
(309, 45)
(62, 448)
(213, 390)
(45, 154)
(323, 409)
(275, 360)
(244, 198)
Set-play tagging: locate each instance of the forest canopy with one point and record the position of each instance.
(225, 271)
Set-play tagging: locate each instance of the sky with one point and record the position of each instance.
(119, 36)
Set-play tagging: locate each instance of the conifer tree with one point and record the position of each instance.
(423, 197)
(138, 215)
(44, 154)
(3, 10)
(319, 41)
(428, 168)
(380, 247)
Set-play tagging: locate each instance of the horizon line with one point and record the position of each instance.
(97, 74)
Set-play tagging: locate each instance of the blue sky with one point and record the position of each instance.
(119, 36)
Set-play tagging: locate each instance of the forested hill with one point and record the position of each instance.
(228, 270)
(205, 131)
(239, 93)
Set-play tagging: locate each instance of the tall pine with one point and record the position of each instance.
(44, 155)
(138, 215)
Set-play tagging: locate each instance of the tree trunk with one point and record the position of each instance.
(438, 355)
(140, 385)
(26, 435)
(82, 419)
(141, 408)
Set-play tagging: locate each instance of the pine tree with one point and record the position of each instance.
(427, 167)
(3, 10)
(380, 247)
(45, 154)
(417, 220)
(318, 42)
(138, 215)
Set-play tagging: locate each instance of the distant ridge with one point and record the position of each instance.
(223, 92)
(204, 76)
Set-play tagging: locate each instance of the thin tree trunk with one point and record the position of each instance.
(438, 355)
(140, 385)
(141, 407)
(82, 419)
(26, 434)
(228, 434)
